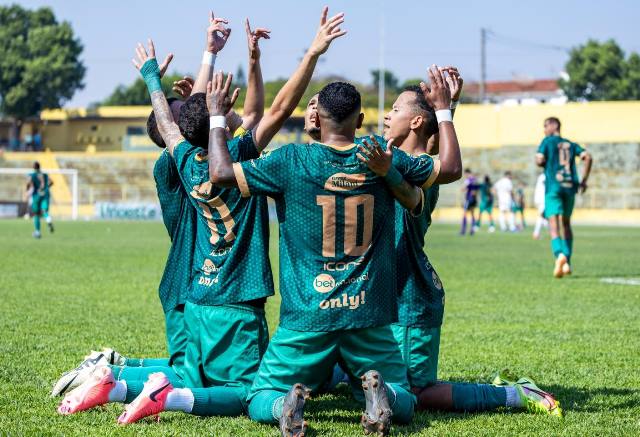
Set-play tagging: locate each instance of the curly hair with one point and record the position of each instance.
(339, 100)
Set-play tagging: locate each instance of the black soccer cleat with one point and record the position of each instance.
(377, 416)
(50, 227)
(292, 423)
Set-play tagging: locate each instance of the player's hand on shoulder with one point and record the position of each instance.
(379, 161)
(328, 31)
(218, 100)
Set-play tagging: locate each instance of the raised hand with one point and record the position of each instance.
(142, 55)
(378, 160)
(218, 100)
(454, 82)
(217, 33)
(183, 87)
(253, 37)
(437, 92)
(328, 31)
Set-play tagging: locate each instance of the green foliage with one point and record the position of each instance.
(599, 71)
(39, 61)
(137, 94)
(94, 284)
(390, 80)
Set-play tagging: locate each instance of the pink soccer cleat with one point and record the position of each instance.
(91, 393)
(150, 402)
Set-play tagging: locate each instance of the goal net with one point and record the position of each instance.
(14, 202)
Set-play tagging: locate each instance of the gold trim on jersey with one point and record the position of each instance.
(434, 174)
(241, 179)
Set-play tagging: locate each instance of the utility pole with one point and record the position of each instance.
(483, 63)
(381, 75)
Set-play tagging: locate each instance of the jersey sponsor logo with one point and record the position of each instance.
(344, 181)
(209, 267)
(220, 252)
(339, 266)
(325, 283)
(344, 301)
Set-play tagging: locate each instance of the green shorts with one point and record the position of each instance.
(176, 336)
(559, 203)
(310, 357)
(40, 204)
(420, 348)
(225, 344)
(486, 207)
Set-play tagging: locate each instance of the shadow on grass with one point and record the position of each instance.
(579, 399)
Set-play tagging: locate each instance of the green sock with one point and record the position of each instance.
(36, 222)
(266, 406)
(403, 403)
(147, 362)
(557, 246)
(142, 374)
(478, 397)
(219, 401)
(568, 248)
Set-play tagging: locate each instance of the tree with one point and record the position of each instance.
(39, 64)
(239, 80)
(137, 93)
(599, 71)
(390, 80)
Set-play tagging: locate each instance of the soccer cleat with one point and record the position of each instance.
(150, 402)
(536, 400)
(91, 393)
(492, 229)
(292, 423)
(504, 378)
(377, 415)
(73, 378)
(36, 234)
(50, 224)
(560, 262)
(114, 357)
(566, 269)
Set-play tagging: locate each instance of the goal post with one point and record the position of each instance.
(64, 191)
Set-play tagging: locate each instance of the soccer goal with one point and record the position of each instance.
(64, 192)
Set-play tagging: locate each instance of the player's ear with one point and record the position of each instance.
(360, 121)
(416, 122)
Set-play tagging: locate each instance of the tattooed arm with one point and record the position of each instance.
(148, 67)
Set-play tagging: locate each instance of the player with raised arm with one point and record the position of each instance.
(38, 186)
(412, 123)
(343, 300)
(557, 156)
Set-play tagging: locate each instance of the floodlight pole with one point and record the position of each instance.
(483, 63)
(381, 74)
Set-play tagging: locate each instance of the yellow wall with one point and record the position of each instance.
(477, 125)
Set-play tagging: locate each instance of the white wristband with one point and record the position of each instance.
(444, 115)
(209, 58)
(453, 105)
(217, 121)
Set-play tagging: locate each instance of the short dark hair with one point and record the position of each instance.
(555, 120)
(36, 165)
(194, 120)
(431, 126)
(339, 100)
(152, 126)
(467, 170)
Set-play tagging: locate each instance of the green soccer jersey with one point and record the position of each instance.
(180, 219)
(486, 196)
(560, 163)
(420, 292)
(40, 182)
(231, 260)
(336, 233)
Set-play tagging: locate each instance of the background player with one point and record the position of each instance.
(470, 190)
(518, 206)
(504, 191)
(38, 185)
(538, 200)
(557, 156)
(486, 202)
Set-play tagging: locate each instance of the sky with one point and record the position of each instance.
(527, 41)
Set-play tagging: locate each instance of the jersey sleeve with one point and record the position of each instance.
(542, 150)
(242, 147)
(417, 170)
(579, 150)
(269, 174)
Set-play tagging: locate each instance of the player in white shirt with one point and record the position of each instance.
(538, 200)
(504, 190)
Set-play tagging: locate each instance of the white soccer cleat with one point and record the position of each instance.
(566, 269)
(73, 378)
(558, 269)
(114, 357)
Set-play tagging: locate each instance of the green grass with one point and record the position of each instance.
(94, 284)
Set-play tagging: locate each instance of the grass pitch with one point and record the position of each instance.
(95, 284)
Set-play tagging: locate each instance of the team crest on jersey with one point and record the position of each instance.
(344, 181)
(209, 267)
(436, 280)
